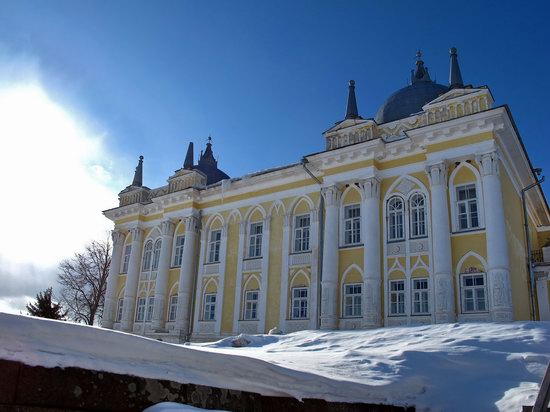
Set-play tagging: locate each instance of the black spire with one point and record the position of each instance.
(188, 163)
(351, 109)
(455, 78)
(207, 158)
(420, 73)
(138, 174)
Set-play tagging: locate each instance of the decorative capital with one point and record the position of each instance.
(437, 173)
(137, 234)
(331, 195)
(118, 237)
(167, 227)
(488, 162)
(192, 224)
(370, 188)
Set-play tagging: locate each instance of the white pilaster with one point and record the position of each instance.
(542, 299)
(197, 314)
(221, 279)
(266, 230)
(329, 282)
(132, 278)
(283, 306)
(159, 310)
(442, 264)
(370, 233)
(114, 269)
(239, 280)
(187, 274)
(498, 274)
(314, 284)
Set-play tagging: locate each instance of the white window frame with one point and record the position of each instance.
(214, 246)
(302, 234)
(351, 225)
(400, 296)
(178, 251)
(141, 306)
(209, 307)
(147, 256)
(150, 308)
(119, 308)
(126, 258)
(420, 296)
(300, 304)
(173, 308)
(255, 239)
(390, 214)
(467, 204)
(251, 304)
(474, 288)
(420, 226)
(352, 299)
(453, 197)
(156, 255)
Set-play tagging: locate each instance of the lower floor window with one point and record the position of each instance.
(474, 296)
(397, 297)
(150, 307)
(352, 300)
(209, 306)
(119, 310)
(299, 303)
(173, 309)
(251, 305)
(140, 310)
(420, 297)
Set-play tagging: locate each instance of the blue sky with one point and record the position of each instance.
(264, 79)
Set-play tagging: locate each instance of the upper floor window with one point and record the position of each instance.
(420, 297)
(352, 300)
(147, 256)
(214, 246)
(466, 207)
(299, 303)
(126, 258)
(255, 240)
(156, 255)
(301, 233)
(418, 215)
(474, 296)
(397, 297)
(352, 224)
(173, 308)
(178, 251)
(209, 306)
(251, 305)
(396, 215)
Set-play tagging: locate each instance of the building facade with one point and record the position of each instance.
(412, 217)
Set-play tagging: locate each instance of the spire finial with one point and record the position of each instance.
(351, 109)
(419, 55)
(420, 73)
(455, 77)
(138, 174)
(188, 163)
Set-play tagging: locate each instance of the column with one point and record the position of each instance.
(498, 273)
(314, 284)
(283, 305)
(132, 279)
(441, 244)
(329, 280)
(187, 275)
(266, 230)
(159, 311)
(112, 278)
(239, 279)
(197, 315)
(221, 279)
(371, 240)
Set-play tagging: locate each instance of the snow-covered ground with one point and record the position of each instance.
(453, 367)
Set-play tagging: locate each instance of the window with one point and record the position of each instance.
(156, 255)
(173, 308)
(209, 306)
(126, 259)
(140, 310)
(255, 240)
(150, 307)
(397, 297)
(395, 218)
(251, 305)
(118, 317)
(352, 300)
(178, 252)
(301, 233)
(420, 297)
(352, 225)
(299, 303)
(418, 215)
(473, 293)
(466, 207)
(214, 246)
(147, 256)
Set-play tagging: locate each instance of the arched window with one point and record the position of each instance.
(147, 255)
(395, 219)
(156, 254)
(417, 212)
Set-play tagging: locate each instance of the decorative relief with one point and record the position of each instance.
(137, 234)
(442, 292)
(396, 249)
(118, 237)
(167, 227)
(207, 327)
(500, 289)
(437, 173)
(405, 186)
(370, 188)
(341, 138)
(211, 269)
(331, 195)
(248, 326)
(300, 259)
(252, 264)
(419, 246)
(192, 224)
(488, 163)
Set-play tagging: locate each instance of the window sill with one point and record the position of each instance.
(352, 317)
(477, 312)
(355, 245)
(389, 242)
(297, 319)
(249, 320)
(253, 258)
(401, 315)
(468, 231)
(303, 252)
(418, 237)
(211, 320)
(420, 314)
(212, 263)
(175, 267)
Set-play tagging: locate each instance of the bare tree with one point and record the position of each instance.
(83, 280)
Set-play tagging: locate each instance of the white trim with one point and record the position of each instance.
(479, 197)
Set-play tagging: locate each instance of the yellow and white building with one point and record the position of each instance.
(413, 217)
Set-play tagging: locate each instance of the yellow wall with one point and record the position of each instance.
(274, 271)
(230, 277)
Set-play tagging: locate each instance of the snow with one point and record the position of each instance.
(449, 367)
(176, 407)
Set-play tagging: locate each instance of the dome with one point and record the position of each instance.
(410, 99)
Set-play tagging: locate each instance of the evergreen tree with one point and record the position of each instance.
(45, 308)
